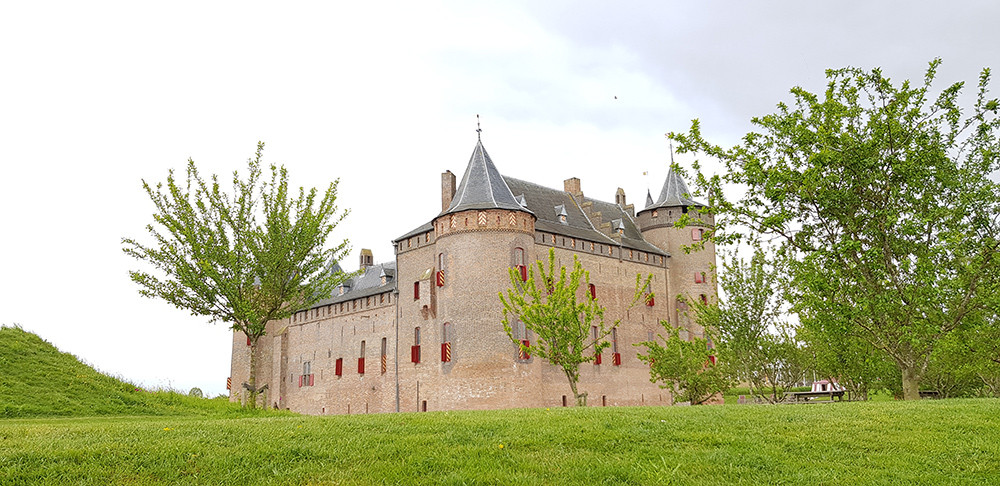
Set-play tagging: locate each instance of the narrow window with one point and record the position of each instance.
(616, 356)
(415, 349)
(446, 342)
(655, 213)
(440, 261)
(416, 290)
(593, 291)
(361, 360)
(385, 356)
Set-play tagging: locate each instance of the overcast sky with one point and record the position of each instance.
(96, 96)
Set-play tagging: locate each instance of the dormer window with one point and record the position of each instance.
(561, 213)
(618, 226)
(655, 213)
(522, 201)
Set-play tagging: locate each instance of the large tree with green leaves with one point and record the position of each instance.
(882, 192)
(245, 258)
(552, 305)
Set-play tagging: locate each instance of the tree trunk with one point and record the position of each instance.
(911, 382)
(252, 380)
(581, 398)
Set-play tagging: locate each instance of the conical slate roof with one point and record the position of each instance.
(482, 187)
(675, 192)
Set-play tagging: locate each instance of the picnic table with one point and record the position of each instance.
(807, 396)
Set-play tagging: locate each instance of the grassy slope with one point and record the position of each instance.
(927, 442)
(36, 379)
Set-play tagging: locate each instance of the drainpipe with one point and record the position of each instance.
(395, 294)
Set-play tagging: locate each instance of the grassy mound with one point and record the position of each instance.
(38, 380)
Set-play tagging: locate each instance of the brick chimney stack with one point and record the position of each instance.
(367, 259)
(447, 189)
(572, 186)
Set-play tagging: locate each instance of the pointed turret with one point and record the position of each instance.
(482, 187)
(675, 192)
(649, 199)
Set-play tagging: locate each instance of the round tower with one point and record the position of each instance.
(482, 233)
(691, 270)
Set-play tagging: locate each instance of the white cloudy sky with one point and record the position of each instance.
(95, 96)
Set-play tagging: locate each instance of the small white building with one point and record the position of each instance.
(826, 385)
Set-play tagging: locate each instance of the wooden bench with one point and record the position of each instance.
(807, 396)
(930, 394)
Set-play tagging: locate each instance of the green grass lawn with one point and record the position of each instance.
(926, 442)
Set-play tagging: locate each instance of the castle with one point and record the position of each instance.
(424, 332)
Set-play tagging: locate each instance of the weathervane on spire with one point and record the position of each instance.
(479, 131)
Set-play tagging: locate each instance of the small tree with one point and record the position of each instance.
(753, 337)
(687, 367)
(213, 257)
(548, 304)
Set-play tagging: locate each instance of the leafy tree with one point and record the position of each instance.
(752, 336)
(687, 367)
(850, 361)
(882, 196)
(246, 258)
(549, 305)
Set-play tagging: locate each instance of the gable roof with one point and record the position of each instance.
(542, 200)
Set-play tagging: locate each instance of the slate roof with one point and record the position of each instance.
(482, 187)
(364, 285)
(675, 192)
(542, 202)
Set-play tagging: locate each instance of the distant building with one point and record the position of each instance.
(439, 343)
(826, 386)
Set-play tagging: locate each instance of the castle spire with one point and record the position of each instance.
(675, 192)
(482, 187)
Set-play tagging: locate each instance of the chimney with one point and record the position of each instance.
(447, 189)
(366, 259)
(620, 197)
(572, 186)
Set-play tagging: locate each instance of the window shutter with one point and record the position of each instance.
(522, 351)
(597, 359)
(650, 301)
(697, 277)
(696, 234)
(593, 290)
(415, 353)
(618, 359)
(440, 278)
(300, 381)
(248, 340)
(384, 363)
(446, 351)
(361, 366)
(339, 367)
(312, 379)
(416, 290)
(524, 272)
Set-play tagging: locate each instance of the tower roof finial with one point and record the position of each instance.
(479, 131)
